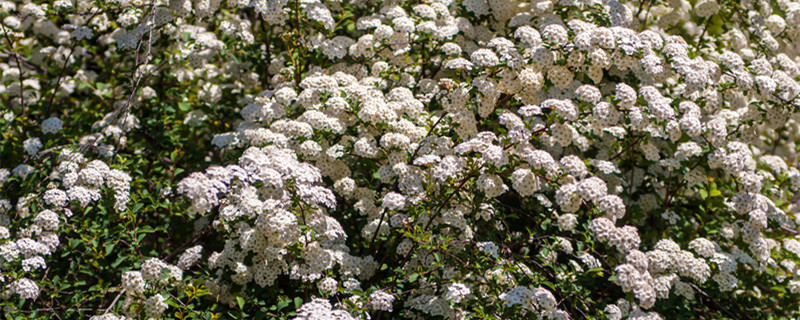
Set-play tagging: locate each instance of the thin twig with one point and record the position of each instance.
(377, 230)
(19, 67)
(716, 304)
(627, 148)
(110, 306)
(700, 40)
(416, 150)
(64, 69)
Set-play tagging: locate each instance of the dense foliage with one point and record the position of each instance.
(456, 159)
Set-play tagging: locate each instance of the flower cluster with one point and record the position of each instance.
(25, 244)
(155, 274)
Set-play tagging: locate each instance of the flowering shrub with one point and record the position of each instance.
(482, 159)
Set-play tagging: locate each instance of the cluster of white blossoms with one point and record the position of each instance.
(474, 152)
(265, 199)
(24, 246)
(321, 309)
(154, 275)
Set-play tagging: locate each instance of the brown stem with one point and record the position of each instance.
(414, 154)
(19, 66)
(108, 309)
(700, 40)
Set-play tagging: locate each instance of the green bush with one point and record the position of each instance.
(474, 159)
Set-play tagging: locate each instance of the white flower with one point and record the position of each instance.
(457, 292)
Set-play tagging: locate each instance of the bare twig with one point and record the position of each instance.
(19, 67)
(700, 40)
(110, 306)
(430, 131)
(377, 230)
(717, 305)
(64, 68)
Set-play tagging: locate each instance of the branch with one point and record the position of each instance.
(19, 66)
(411, 159)
(114, 302)
(717, 305)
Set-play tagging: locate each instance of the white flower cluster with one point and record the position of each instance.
(190, 257)
(321, 309)
(74, 181)
(266, 198)
(538, 299)
(154, 274)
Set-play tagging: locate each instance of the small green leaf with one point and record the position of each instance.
(282, 304)
(184, 106)
(146, 229)
(136, 207)
(118, 262)
(173, 304)
(240, 301)
(110, 248)
(598, 270)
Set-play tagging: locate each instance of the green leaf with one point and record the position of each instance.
(118, 262)
(136, 207)
(110, 248)
(283, 304)
(173, 304)
(598, 271)
(184, 106)
(146, 229)
(240, 301)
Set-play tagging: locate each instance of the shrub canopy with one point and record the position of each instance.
(455, 159)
